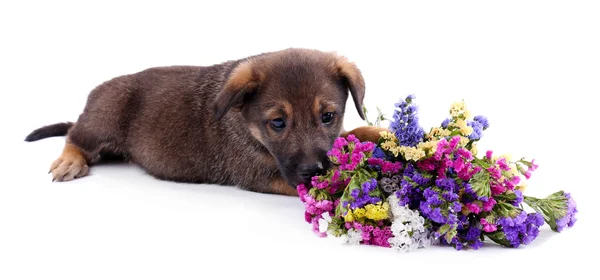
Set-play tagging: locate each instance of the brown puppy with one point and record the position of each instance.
(263, 123)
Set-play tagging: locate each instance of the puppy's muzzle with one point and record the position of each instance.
(307, 171)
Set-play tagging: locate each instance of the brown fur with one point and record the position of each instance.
(71, 164)
(213, 124)
(366, 133)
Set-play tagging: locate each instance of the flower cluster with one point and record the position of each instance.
(413, 189)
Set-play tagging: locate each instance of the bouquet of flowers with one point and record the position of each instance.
(415, 188)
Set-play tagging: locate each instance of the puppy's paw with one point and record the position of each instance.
(366, 133)
(67, 169)
(70, 165)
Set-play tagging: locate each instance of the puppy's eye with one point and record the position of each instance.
(327, 117)
(278, 123)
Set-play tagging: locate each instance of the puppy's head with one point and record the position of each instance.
(293, 103)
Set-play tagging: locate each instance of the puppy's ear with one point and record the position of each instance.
(354, 81)
(240, 85)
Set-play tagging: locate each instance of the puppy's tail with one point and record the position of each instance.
(57, 129)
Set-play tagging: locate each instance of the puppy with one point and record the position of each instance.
(262, 123)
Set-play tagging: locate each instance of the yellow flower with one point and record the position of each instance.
(467, 114)
(411, 153)
(349, 217)
(377, 211)
(464, 141)
(464, 128)
(359, 213)
(457, 109)
(474, 150)
(386, 135)
(507, 156)
(438, 132)
(428, 147)
(391, 146)
(374, 212)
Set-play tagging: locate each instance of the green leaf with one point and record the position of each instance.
(480, 183)
(444, 229)
(451, 233)
(498, 237)
(552, 208)
(336, 227)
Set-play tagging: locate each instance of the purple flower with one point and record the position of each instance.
(406, 123)
(483, 121)
(521, 229)
(445, 123)
(436, 216)
(450, 196)
(477, 130)
(559, 209)
(420, 179)
(519, 198)
(446, 184)
(473, 234)
(354, 193)
(569, 219)
(477, 244)
(378, 153)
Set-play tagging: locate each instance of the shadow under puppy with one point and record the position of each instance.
(263, 123)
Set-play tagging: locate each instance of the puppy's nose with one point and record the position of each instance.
(307, 171)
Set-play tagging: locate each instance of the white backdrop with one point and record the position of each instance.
(532, 67)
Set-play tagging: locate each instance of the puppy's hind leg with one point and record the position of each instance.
(71, 164)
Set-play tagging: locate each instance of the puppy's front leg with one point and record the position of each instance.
(280, 186)
(366, 133)
(71, 164)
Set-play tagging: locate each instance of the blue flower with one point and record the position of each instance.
(406, 123)
(477, 130)
(521, 229)
(378, 153)
(519, 198)
(483, 121)
(445, 123)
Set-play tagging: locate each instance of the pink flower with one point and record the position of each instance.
(365, 147)
(381, 236)
(302, 191)
(489, 154)
(498, 189)
(391, 167)
(527, 174)
(474, 171)
(356, 158)
(495, 172)
(336, 176)
(340, 143)
(487, 227)
(512, 182)
(343, 159)
(426, 165)
(488, 205)
(308, 217)
(465, 153)
(374, 161)
(324, 205)
(352, 138)
(473, 208)
(502, 164)
(453, 143)
(315, 227)
(441, 149)
(458, 164)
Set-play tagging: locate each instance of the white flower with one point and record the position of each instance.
(353, 237)
(324, 222)
(406, 222)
